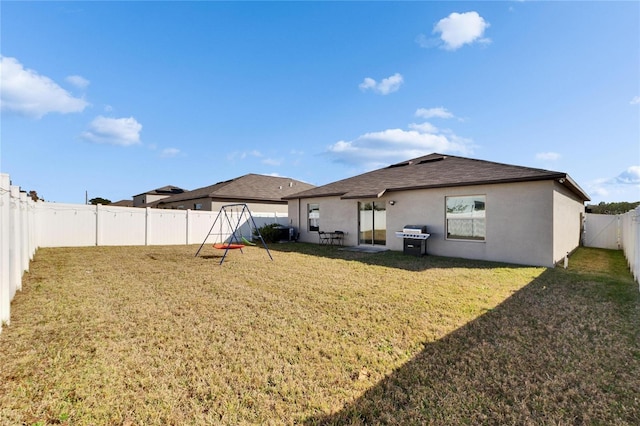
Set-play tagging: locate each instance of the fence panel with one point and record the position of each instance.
(120, 226)
(602, 231)
(65, 225)
(166, 227)
(200, 223)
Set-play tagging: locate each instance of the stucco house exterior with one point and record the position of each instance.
(472, 209)
(261, 193)
(141, 200)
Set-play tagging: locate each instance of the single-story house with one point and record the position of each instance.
(472, 209)
(142, 200)
(261, 193)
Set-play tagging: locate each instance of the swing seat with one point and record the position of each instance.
(224, 246)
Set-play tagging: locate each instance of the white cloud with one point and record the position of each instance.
(272, 161)
(624, 187)
(377, 149)
(438, 112)
(28, 93)
(170, 152)
(548, 156)
(459, 29)
(387, 85)
(114, 131)
(242, 155)
(635, 100)
(631, 176)
(597, 191)
(424, 127)
(367, 83)
(78, 81)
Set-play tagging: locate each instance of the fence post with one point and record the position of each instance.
(32, 205)
(635, 231)
(24, 235)
(5, 226)
(14, 235)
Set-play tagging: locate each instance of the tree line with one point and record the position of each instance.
(612, 208)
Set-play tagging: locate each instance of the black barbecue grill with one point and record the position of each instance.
(415, 239)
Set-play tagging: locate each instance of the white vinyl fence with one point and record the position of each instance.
(17, 242)
(602, 231)
(26, 225)
(616, 232)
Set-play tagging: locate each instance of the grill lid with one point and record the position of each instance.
(414, 229)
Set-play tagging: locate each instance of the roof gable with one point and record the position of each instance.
(434, 171)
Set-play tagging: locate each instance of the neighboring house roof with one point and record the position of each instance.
(250, 187)
(165, 190)
(435, 171)
(123, 203)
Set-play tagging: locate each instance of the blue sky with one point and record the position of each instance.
(117, 98)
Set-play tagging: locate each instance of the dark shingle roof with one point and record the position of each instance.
(434, 171)
(250, 187)
(123, 203)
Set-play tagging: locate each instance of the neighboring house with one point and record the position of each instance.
(146, 198)
(473, 209)
(261, 194)
(123, 203)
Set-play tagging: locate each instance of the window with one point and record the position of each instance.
(197, 206)
(314, 216)
(466, 218)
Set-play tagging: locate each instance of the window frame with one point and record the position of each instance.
(315, 227)
(475, 199)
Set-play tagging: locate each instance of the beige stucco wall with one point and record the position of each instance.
(141, 199)
(335, 215)
(189, 204)
(520, 223)
(568, 213)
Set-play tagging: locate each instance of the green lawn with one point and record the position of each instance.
(156, 336)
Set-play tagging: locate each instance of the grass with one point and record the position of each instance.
(152, 335)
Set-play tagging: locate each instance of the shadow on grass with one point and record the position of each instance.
(390, 259)
(563, 350)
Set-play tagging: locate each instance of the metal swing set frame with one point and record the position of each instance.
(225, 215)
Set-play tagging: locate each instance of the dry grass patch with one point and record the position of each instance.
(152, 335)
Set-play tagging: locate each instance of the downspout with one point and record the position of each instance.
(299, 216)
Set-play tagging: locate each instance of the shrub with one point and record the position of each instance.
(270, 232)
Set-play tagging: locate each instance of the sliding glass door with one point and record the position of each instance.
(372, 223)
